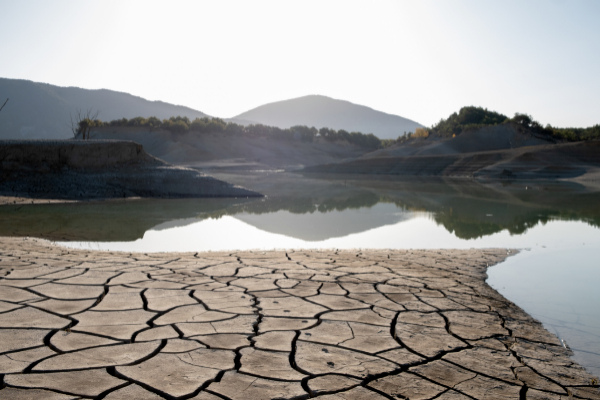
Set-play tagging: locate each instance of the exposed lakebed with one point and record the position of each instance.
(553, 279)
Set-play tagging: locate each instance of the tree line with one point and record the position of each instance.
(183, 125)
(469, 118)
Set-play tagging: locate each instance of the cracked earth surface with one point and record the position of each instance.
(336, 325)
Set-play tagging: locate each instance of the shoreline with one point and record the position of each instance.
(99, 169)
(368, 324)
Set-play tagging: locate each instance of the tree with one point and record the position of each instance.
(523, 119)
(82, 122)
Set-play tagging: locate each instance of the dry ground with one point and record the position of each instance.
(343, 325)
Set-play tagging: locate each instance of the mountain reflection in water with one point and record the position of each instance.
(316, 208)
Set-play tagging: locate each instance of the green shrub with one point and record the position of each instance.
(467, 118)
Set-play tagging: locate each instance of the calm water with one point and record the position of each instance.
(554, 278)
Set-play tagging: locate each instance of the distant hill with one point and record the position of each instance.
(322, 111)
(39, 110)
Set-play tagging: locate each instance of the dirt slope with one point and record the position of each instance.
(569, 160)
(499, 137)
(224, 151)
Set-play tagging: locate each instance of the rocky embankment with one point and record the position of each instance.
(99, 169)
(333, 325)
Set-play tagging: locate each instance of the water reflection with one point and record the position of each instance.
(317, 208)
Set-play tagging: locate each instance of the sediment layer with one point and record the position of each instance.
(558, 161)
(270, 325)
(84, 170)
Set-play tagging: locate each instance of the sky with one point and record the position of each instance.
(422, 59)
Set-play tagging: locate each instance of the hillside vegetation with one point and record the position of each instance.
(472, 118)
(42, 111)
(205, 125)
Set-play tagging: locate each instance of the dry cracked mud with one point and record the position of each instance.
(336, 325)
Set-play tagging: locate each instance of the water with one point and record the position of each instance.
(553, 278)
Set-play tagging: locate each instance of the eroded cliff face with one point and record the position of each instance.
(74, 169)
(48, 155)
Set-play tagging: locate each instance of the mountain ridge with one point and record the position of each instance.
(323, 111)
(39, 110)
(42, 111)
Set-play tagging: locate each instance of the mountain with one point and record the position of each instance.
(322, 111)
(39, 110)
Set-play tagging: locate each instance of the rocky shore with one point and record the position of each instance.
(337, 325)
(103, 169)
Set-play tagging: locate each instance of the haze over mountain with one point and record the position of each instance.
(40, 110)
(322, 111)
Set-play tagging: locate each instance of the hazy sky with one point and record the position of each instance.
(419, 59)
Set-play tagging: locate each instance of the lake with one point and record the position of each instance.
(556, 226)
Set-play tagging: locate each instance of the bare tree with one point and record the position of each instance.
(3, 104)
(82, 122)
